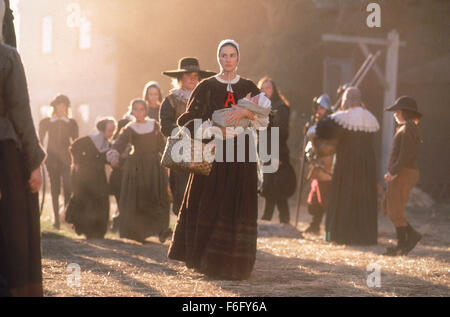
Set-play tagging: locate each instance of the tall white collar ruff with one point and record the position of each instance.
(143, 128)
(356, 119)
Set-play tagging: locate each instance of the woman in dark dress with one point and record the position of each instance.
(153, 96)
(62, 131)
(217, 226)
(20, 179)
(279, 186)
(88, 208)
(352, 198)
(144, 198)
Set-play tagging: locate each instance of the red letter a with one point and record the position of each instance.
(230, 98)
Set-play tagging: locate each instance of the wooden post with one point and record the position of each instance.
(390, 93)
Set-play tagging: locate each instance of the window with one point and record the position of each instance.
(85, 34)
(47, 34)
(84, 111)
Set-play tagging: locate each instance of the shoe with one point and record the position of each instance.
(413, 237)
(313, 229)
(401, 239)
(164, 235)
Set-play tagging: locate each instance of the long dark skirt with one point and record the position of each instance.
(352, 199)
(144, 198)
(20, 241)
(216, 230)
(88, 208)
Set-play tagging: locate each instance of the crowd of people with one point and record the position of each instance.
(216, 229)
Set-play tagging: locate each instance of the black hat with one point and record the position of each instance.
(405, 103)
(188, 65)
(60, 99)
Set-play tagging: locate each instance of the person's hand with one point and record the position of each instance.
(238, 114)
(389, 178)
(254, 99)
(35, 181)
(76, 167)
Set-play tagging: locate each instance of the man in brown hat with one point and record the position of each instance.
(403, 173)
(186, 78)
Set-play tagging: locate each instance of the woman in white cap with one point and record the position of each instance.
(352, 198)
(217, 226)
(153, 96)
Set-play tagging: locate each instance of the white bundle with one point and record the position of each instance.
(261, 112)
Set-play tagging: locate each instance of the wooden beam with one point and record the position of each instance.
(357, 39)
(377, 70)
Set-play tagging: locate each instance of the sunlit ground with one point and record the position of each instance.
(286, 265)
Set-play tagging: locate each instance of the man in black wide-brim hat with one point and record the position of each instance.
(186, 78)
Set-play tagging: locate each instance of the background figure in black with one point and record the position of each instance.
(278, 186)
(88, 208)
(61, 130)
(9, 35)
(153, 96)
(320, 154)
(115, 179)
(352, 200)
(186, 78)
(20, 179)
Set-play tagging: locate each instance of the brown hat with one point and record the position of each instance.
(405, 103)
(188, 65)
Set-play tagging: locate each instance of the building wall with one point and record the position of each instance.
(87, 76)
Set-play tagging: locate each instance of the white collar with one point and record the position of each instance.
(356, 119)
(100, 142)
(223, 81)
(54, 119)
(183, 94)
(143, 128)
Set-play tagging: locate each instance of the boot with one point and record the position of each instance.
(413, 237)
(401, 239)
(314, 227)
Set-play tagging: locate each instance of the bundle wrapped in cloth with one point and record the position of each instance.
(261, 110)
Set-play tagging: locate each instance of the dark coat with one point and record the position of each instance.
(20, 153)
(16, 122)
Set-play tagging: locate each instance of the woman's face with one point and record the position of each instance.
(152, 96)
(398, 116)
(61, 110)
(109, 130)
(139, 112)
(189, 81)
(228, 58)
(267, 88)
